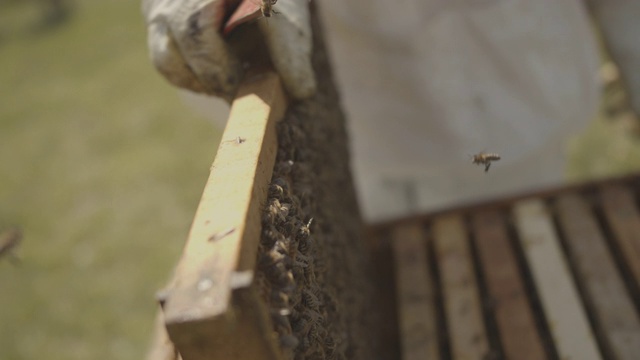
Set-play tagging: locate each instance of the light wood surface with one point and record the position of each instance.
(505, 286)
(561, 303)
(467, 333)
(202, 317)
(615, 314)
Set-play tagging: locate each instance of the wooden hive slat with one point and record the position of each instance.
(211, 309)
(514, 317)
(561, 303)
(615, 314)
(460, 291)
(607, 307)
(386, 275)
(415, 289)
(624, 220)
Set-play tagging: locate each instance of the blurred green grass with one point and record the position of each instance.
(610, 146)
(102, 165)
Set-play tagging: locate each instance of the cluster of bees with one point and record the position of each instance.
(288, 266)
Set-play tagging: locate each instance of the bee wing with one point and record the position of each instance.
(247, 11)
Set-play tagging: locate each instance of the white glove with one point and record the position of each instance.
(186, 45)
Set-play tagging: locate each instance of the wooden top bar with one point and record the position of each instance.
(623, 218)
(416, 297)
(460, 290)
(564, 312)
(612, 307)
(505, 285)
(220, 253)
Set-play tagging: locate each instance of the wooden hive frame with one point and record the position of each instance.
(211, 309)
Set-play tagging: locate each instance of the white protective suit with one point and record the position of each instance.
(426, 83)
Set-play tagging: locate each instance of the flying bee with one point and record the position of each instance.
(485, 159)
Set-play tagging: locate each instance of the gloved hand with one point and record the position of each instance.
(187, 46)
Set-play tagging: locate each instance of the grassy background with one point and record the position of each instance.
(610, 146)
(102, 166)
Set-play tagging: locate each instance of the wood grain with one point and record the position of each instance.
(561, 303)
(614, 312)
(220, 254)
(505, 285)
(415, 289)
(460, 291)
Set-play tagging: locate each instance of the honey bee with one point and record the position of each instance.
(484, 158)
(310, 299)
(266, 7)
(304, 231)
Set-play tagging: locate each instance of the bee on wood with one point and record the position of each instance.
(485, 159)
